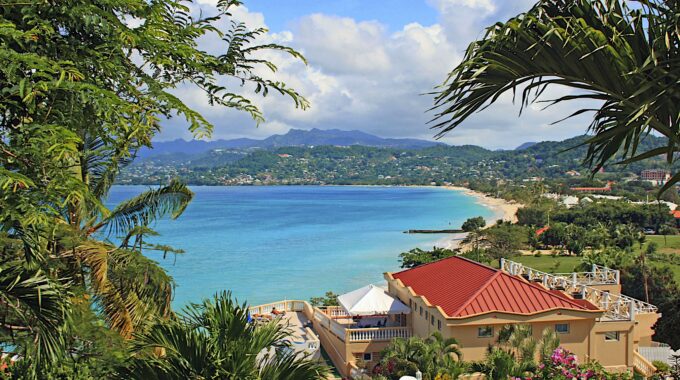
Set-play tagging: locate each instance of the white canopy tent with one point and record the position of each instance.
(371, 300)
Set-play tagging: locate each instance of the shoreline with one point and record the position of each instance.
(502, 209)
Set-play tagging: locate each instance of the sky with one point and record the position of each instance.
(371, 67)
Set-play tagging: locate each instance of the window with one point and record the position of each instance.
(485, 332)
(439, 325)
(427, 315)
(421, 311)
(368, 356)
(562, 328)
(612, 336)
(432, 320)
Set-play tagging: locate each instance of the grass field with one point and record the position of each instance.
(549, 264)
(566, 264)
(667, 244)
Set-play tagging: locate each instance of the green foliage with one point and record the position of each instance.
(533, 216)
(500, 173)
(434, 356)
(329, 299)
(504, 240)
(570, 43)
(473, 224)
(417, 256)
(85, 85)
(214, 339)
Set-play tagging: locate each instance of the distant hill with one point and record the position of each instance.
(347, 163)
(526, 145)
(294, 138)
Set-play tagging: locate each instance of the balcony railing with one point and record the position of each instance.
(642, 365)
(356, 334)
(292, 305)
(377, 334)
(617, 307)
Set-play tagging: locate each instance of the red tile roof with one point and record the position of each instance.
(462, 288)
(540, 231)
(676, 214)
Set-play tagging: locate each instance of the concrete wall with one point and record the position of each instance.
(644, 330)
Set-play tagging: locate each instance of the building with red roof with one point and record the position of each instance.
(471, 302)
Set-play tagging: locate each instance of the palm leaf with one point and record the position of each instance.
(627, 58)
(147, 207)
(34, 310)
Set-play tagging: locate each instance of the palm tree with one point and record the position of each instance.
(215, 340)
(517, 351)
(625, 58)
(33, 311)
(432, 356)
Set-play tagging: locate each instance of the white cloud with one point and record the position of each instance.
(362, 76)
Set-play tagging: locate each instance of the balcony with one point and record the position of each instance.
(344, 327)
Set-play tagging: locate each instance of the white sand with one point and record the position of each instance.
(504, 210)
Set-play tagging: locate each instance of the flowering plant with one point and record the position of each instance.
(563, 365)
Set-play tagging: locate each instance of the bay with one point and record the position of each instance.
(293, 242)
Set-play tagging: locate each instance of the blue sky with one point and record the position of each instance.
(369, 64)
(393, 13)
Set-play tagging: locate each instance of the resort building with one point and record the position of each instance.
(471, 302)
(655, 176)
(606, 189)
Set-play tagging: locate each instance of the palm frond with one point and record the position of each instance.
(147, 207)
(33, 311)
(626, 58)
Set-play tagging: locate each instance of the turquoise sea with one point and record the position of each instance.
(295, 242)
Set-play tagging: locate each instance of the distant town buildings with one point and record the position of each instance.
(655, 176)
(605, 189)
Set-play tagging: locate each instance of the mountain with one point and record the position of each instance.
(526, 145)
(294, 137)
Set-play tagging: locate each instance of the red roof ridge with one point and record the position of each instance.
(475, 294)
(450, 258)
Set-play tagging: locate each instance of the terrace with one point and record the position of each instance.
(350, 329)
(591, 286)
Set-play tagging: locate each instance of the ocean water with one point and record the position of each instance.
(293, 242)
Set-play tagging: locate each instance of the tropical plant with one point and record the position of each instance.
(216, 340)
(86, 84)
(434, 356)
(34, 310)
(624, 58)
(517, 350)
(417, 256)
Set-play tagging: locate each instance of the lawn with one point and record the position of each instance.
(667, 243)
(549, 263)
(566, 264)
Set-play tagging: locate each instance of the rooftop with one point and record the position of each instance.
(464, 288)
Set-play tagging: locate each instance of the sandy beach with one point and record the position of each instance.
(503, 210)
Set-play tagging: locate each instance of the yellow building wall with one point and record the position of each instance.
(644, 331)
(614, 355)
(474, 347)
(586, 337)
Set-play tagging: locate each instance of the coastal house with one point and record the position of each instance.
(471, 302)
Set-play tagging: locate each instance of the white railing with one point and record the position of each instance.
(617, 307)
(350, 334)
(336, 312)
(292, 305)
(642, 365)
(378, 334)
